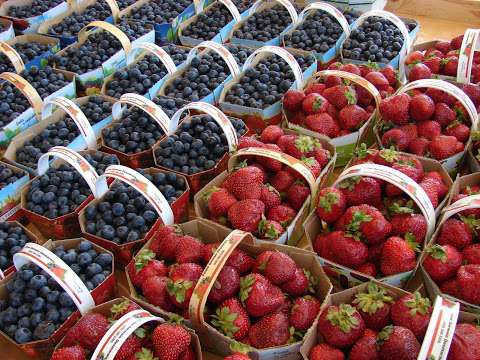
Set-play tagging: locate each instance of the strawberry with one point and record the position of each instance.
(261, 261)
(439, 96)
(259, 295)
(322, 243)
(340, 326)
(331, 81)
(282, 181)
(468, 277)
(271, 133)
(450, 65)
(232, 319)
(346, 250)
(456, 42)
(366, 347)
(282, 213)
(241, 261)
(323, 123)
(443, 46)
(315, 88)
(226, 285)
(246, 142)
(471, 254)
(189, 250)
(422, 107)
(297, 194)
(456, 233)
(434, 63)
(303, 312)
(271, 330)
(340, 96)
(419, 71)
(302, 146)
(325, 352)
(154, 289)
(351, 68)
(378, 80)
(451, 287)
(183, 278)
(431, 188)
(69, 353)
(390, 74)
(170, 340)
(397, 342)
(368, 269)
(444, 115)
(313, 165)
(418, 146)
(122, 308)
(146, 266)
(129, 348)
(433, 52)
(366, 222)
(208, 251)
(374, 306)
(443, 147)
(398, 255)
(442, 262)
(322, 156)
(352, 117)
(396, 138)
(237, 356)
(314, 103)
(270, 196)
(166, 240)
(460, 131)
(268, 163)
(429, 129)
(301, 283)
(87, 332)
(284, 140)
(414, 57)
(279, 268)
(413, 312)
(465, 342)
(411, 130)
(362, 190)
(270, 229)
(414, 225)
(331, 204)
(245, 183)
(219, 201)
(246, 214)
(292, 100)
(473, 92)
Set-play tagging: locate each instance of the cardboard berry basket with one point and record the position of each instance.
(209, 46)
(310, 9)
(344, 277)
(9, 32)
(124, 252)
(155, 112)
(256, 8)
(461, 183)
(346, 144)
(137, 53)
(91, 81)
(31, 25)
(42, 59)
(77, 7)
(10, 194)
(66, 278)
(258, 119)
(452, 163)
(218, 343)
(294, 232)
(198, 180)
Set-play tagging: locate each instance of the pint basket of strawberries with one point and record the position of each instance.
(120, 329)
(248, 196)
(336, 104)
(257, 311)
(372, 223)
(371, 321)
(430, 118)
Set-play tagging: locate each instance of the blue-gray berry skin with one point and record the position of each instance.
(35, 8)
(159, 11)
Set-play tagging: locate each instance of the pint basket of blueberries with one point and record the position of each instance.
(12, 179)
(52, 287)
(34, 49)
(6, 30)
(130, 211)
(200, 147)
(53, 199)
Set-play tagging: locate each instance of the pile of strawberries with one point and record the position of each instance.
(465, 342)
(264, 302)
(453, 263)
(441, 59)
(373, 326)
(302, 147)
(164, 341)
(262, 198)
(431, 123)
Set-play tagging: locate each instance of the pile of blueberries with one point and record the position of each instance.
(169, 105)
(12, 240)
(376, 39)
(12, 103)
(243, 5)
(8, 176)
(123, 215)
(239, 52)
(177, 53)
(122, 4)
(72, 24)
(99, 160)
(133, 30)
(6, 64)
(98, 48)
(208, 23)
(62, 132)
(35, 8)
(46, 80)
(30, 50)
(266, 82)
(159, 11)
(62, 190)
(203, 75)
(196, 146)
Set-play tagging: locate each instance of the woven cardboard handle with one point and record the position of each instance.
(13, 56)
(232, 8)
(220, 50)
(112, 4)
(26, 89)
(155, 50)
(112, 29)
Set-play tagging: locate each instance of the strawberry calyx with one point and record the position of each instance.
(342, 317)
(309, 161)
(351, 97)
(412, 242)
(326, 201)
(208, 194)
(306, 143)
(372, 65)
(295, 335)
(241, 164)
(397, 208)
(438, 252)
(389, 155)
(475, 135)
(362, 151)
(418, 304)
(140, 333)
(384, 335)
(241, 348)
(119, 308)
(353, 227)
(246, 283)
(346, 82)
(374, 299)
(350, 183)
(454, 123)
(472, 222)
(143, 258)
(176, 319)
(179, 289)
(268, 230)
(145, 354)
(312, 281)
(224, 320)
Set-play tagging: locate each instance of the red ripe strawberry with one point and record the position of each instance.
(450, 65)
(245, 183)
(362, 190)
(419, 71)
(431, 188)
(282, 181)
(465, 343)
(456, 42)
(365, 348)
(315, 88)
(443, 46)
(122, 308)
(270, 229)
(87, 332)
(237, 355)
(279, 268)
(351, 68)
(352, 117)
(270, 196)
(271, 330)
(282, 213)
(396, 138)
(366, 222)
(340, 326)
(298, 194)
(414, 225)
(246, 214)
(456, 233)
(219, 201)
(303, 312)
(246, 142)
(397, 342)
(241, 261)
(418, 146)
(471, 254)
(422, 107)
(324, 124)
(442, 262)
(331, 81)
(259, 295)
(411, 130)
(268, 163)
(378, 80)
(302, 146)
(413, 312)
(468, 277)
(374, 306)
(69, 353)
(332, 111)
(363, 95)
(443, 147)
(284, 140)
(232, 319)
(154, 289)
(313, 166)
(434, 63)
(325, 352)
(322, 245)
(340, 96)
(346, 250)
(189, 250)
(208, 251)
(451, 287)
(473, 92)
(414, 57)
(366, 68)
(368, 269)
(331, 204)
(271, 133)
(146, 266)
(132, 345)
(226, 285)
(322, 156)
(398, 255)
(433, 53)
(314, 103)
(439, 96)
(390, 74)
(444, 115)
(429, 129)
(460, 131)
(292, 100)
(301, 282)
(183, 278)
(261, 261)
(168, 237)
(375, 253)
(170, 340)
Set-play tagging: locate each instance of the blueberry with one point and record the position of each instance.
(24, 322)
(23, 335)
(104, 260)
(65, 300)
(36, 318)
(52, 315)
(53, 296)
(93, 269)
(85, 246)
(43, 330)
(84, 259)
(38, 304)
(64, 313)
